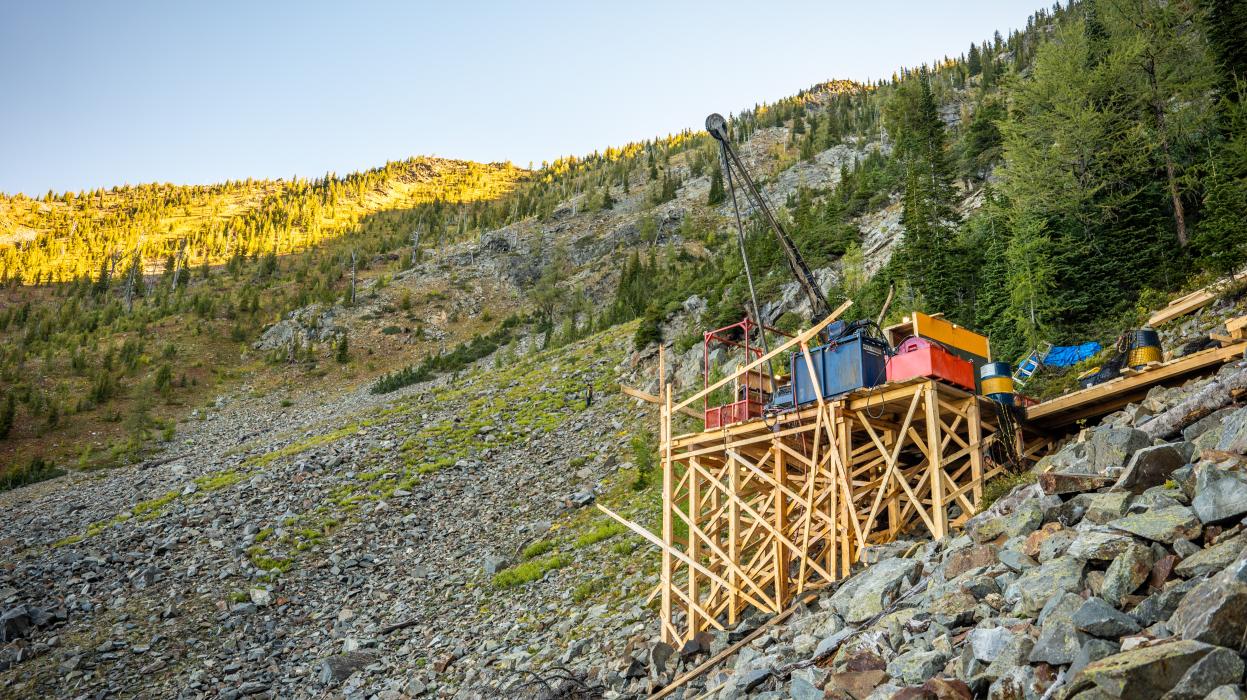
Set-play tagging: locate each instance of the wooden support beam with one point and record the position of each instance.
(650, 398)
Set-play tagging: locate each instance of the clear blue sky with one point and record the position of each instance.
(104, 93)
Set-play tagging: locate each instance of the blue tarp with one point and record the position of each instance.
(1066, 355)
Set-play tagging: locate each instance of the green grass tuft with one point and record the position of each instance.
(1002, 485)
(529, 571)
(536, 549)
(602, 531)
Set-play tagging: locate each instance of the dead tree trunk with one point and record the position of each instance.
(1220, 392)
(352, 278)
(1171, 170)
(134, 267)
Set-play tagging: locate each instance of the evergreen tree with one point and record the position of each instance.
(717, 193)
(1226, 26)
(974, 62)
(930, 262)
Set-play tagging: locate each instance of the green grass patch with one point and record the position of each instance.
(601, 531)
(624, 548)
(529, 571)
(212, 482)
(536, 549)
(303, 445)
(588, 589)
(149, 510)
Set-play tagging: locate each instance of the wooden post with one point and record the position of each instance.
(976, 448)
(668, 530)
(935, 461)
(781, 525)
(694, 542)
(733, 538)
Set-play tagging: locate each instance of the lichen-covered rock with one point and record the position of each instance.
(1215, 611)
(1099, 544)
(866, 594)
(1148, 467)
(1107, 506)
(1163, 525)
(1219, 494)
(1213, 559)
(1127, 572)
(1153, 671)
(1110, 448)
(915, 667)
(1234, 433)
(1022, 521)
(1035, 587)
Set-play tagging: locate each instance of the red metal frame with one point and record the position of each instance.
(742, 409)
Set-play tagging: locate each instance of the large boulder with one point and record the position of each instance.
(915, 667)
(1148, 467)
(868, 593)
(1172, 670)
(1099, 544)
(1159, 606)
(1109, 449)
(339, 667)
(1127, 572)
(1035, 587)
(1098, 618)
(1213, 559)
(1219, 494)
(1022, 521)
(1234, 433)
(1059, 641)
(1162, 525)
(1215, 611)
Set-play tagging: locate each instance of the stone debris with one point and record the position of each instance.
(1121, 573)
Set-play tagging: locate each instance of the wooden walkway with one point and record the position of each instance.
(1113, 395)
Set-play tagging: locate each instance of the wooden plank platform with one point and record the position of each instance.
(1194, 301)
(1102, 399)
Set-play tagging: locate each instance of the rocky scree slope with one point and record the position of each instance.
(381, 546)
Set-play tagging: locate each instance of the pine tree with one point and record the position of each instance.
(974, 62)
(1226, 26)
(929, 212)
(717, 193)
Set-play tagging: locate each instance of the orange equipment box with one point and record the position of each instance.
(919, 357)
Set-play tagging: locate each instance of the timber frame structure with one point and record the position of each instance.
(759, 512)
(756, 513)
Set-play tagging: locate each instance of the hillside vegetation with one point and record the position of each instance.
(1047, 185)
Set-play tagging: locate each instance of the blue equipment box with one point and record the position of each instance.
(849, 362)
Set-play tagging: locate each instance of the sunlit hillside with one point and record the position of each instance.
(59, 238)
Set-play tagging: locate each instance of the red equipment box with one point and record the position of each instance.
(730, 413)
(919, 357)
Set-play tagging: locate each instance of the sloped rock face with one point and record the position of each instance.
(302, 327)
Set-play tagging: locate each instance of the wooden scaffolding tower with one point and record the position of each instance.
(758, 512)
